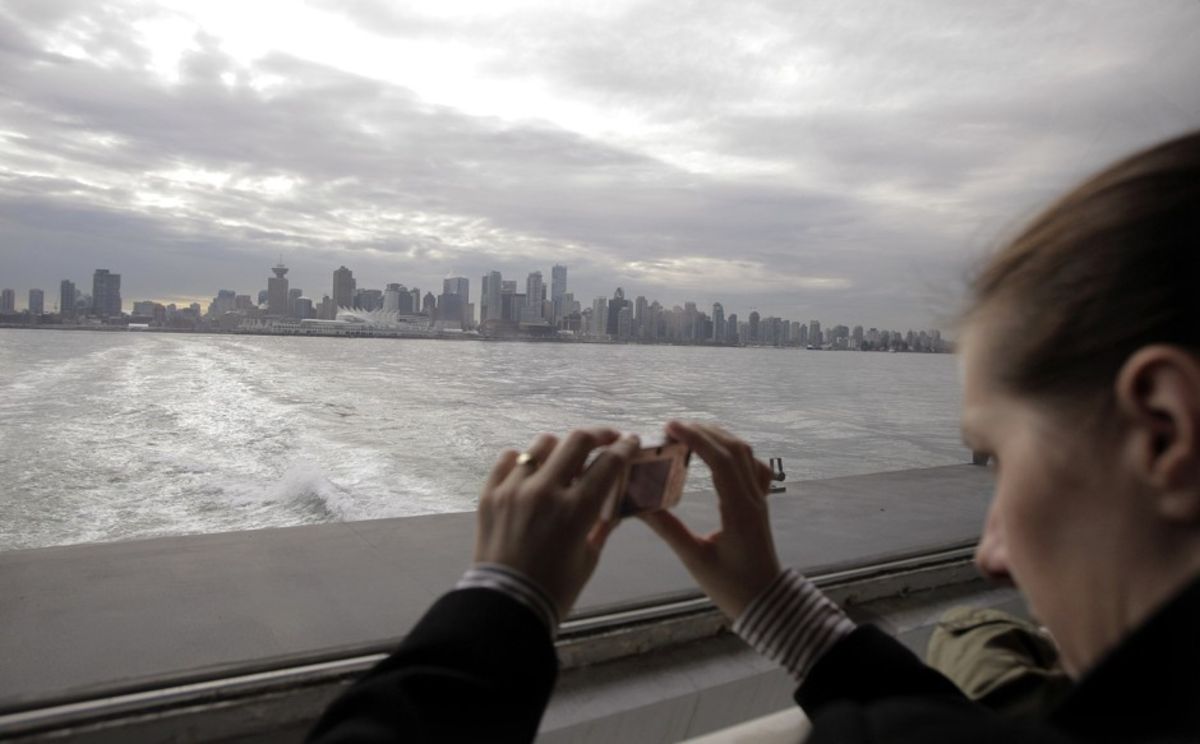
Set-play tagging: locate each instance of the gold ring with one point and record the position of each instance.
(527, 459)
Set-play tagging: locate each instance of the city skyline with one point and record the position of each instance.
(843, 158)
(503, 310)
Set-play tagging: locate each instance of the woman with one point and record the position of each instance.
(1080, 353)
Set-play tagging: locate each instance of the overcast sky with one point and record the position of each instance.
(845, 161)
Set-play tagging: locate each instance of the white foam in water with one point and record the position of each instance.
(111, 436)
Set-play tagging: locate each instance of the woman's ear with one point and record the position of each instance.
(1158, 393)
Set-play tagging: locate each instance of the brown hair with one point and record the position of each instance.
(1112, 266)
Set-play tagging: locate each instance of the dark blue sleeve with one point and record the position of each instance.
(479, 666)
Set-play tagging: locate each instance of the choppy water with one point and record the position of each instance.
(108, 436)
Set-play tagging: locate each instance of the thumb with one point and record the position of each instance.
(675, 534)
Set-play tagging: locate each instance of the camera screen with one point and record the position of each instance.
(646, 485)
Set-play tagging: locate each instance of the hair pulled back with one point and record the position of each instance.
(1111, 267)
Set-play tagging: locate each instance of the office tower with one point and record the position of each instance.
(625, 323)
(343, 288)
(294, 294)
(327, 310)
(453, 304)
(429, 305)
(731, 329)
(106, 293)
(509, 311)
(558, 288)
(857, 336)
(37, 302)
(802, 337)
(243, 302)
(600, 317)
(277, 292)
(617, 302)
(814, 333)
(691, 317)
(263, 296)
(458, 285)
(534, 291)
(302, 308)
(718, 319)
(223, 303)
(391, 297)
(754, 327)
(368, 299)
(490, 307)
(8, 301)
(66, 298)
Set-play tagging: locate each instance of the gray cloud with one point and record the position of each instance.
(862, 155)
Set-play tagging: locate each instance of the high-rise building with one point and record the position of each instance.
(302, 308)
(814, 333)
(294, 294)
(625, 323)
(429, 305)
(718, 319)
(754, 327)
(224, 302)
(368, 299)
(66, 298)
(558, 288)
(277, 292)
(8, 301)
(535, 290)
(490, 307)
(391, 297)
(414, 301)
(343, 288)
(617, 302)
(263, 296)
(731, 330)
(458, 285)
(37, 302)
(243, 302)
(599, 327)
(106, 293)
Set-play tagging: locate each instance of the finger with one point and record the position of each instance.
(597, 482)
(765, 475)
(726, 473)
(539, 451)
(740, 451)
(687, 545)
(568, 458)
(599, 534)
(504, 463)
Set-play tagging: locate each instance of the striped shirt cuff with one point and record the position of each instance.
(792, 623)
(506, 580)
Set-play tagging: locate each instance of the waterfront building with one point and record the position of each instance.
(754, 322)
(458, 285)
(731, 330)
(277, 291)
(224, 302)
(8, 301)
(814, 333)
(66, 298)
(625, 323)
(294, 294)
(368, 299)
(599, 325)
(617, 302)
(263, 296)
(429, 306)
(718, 320)
(535, 292)
(106, 293)
(327, 310)
(490, 307)
(243, 302)
(343, 288)
(414, 301)
(302, 308)
(37, 302)
(558, 288)
(391, 297)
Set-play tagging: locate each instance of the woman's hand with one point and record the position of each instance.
(542, 518)
(737, 562)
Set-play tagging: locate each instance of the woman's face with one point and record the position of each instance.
(1054, 527)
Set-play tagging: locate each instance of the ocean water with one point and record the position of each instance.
(113, 436)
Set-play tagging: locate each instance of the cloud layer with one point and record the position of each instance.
(834, 160)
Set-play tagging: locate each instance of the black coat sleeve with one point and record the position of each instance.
(869, 688)
(479, 666)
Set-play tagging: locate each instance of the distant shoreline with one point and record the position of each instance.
(439, 336)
